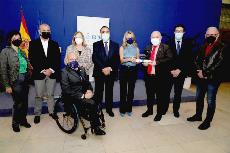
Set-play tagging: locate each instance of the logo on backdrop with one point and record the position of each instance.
(91, 33)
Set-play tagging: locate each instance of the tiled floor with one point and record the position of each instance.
(127, 135)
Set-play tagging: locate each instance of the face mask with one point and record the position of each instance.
(78, 41)
(46, 35)
(210, 39)
(155, 41)
(73, 64)
(105, 37)
(179, 35)
(130, 41)
(17, 42)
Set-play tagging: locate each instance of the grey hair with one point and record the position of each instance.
(66, 56)
(212, 28)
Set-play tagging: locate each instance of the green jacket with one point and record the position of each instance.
(9, 66)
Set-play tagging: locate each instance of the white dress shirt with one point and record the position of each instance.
(180, 42)
(45, 48)
(45, 45)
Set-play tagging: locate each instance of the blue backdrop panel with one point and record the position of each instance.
(140, 16)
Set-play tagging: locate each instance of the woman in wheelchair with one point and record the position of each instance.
(78, 90)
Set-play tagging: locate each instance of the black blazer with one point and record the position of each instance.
(163, 59)
(101, 60)
(39, 61)
(183, 61)
(74, 83)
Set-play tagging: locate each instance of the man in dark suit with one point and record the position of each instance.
(106, 62)
(181, 65)
(44, 55)
(157, 74)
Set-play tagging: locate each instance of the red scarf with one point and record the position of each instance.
(209, 47)
(152, 55)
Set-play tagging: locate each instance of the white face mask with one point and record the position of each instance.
(78, 41)
(179, 35)
(105, 37)
(155, 41)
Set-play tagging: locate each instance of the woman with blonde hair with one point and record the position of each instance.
(129, 52)
(82, 52)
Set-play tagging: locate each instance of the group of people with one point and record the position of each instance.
(164, 66)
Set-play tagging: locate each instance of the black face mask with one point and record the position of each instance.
(17, 42)
(46, 35)
(210, 39)
(130, 41)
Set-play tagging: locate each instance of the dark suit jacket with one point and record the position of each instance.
(101, 60)
(74, 83)
(183, 61)
(163, 59)
(39, 61)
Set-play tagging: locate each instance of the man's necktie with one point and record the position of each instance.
(106, 48)
(178, 47)
(152, 55)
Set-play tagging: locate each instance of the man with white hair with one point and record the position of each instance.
(157, 75)
(209, 67)
(44, 55)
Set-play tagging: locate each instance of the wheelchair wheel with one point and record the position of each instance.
(67, 121)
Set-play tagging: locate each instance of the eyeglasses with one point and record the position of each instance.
(215, 35)
(179, 31)
(78, 37)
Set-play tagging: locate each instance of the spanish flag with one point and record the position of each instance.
(25, 35)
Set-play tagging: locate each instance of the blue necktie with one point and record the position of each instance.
(106, 48)
(178, 47)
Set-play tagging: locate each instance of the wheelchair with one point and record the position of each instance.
(68, 117)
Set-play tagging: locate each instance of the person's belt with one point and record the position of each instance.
(152, 75)
(128, 67)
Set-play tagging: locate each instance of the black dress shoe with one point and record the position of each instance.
(157, 117)
(147, 113)
(16, 128)
(204, 126)
(53, 115)
(194, 118)
(111, 114)
(99, 131)
(176, 114)
(37, 119)
(25, 124)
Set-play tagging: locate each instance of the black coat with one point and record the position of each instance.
(184, 60)
(101, 60)
(39, 61)
(212, 65)
(74, 83)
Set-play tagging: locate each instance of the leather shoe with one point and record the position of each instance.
(99, 131)
(157, 117)
(54, 116)
(16, 128)
(37, 119)
(25, 124)
(194, 118)
(204, 126)
(147, 113)
(176, 114)
(111, 114)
